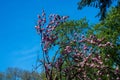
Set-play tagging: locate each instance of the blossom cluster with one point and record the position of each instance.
(46, 30)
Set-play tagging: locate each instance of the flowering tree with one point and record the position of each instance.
(76, 57)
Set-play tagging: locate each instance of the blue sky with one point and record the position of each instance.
(19, 42)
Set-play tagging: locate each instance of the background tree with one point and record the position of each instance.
(2, 76)
(103, 5)
(19, 74)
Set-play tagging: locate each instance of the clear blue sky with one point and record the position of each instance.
(19, 43)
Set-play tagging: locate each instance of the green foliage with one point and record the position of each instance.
(66, 31)
(109, 28)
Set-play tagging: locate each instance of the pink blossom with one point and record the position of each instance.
(80, 40)
(118, 78)
(39, 22)
(95, 59)
(68, 49)
(85, 47)
(44, 19)
(45, 49)
(100, 62)
(101, 45)
(92, 42)
(92, 65)
(37, 27)
(65, 17)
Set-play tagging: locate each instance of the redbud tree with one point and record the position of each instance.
(75, 56)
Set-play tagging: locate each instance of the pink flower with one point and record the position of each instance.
(39, 21)
(82, 64)
(92, 65)
(80, 40)
(76, 50)
(44, 20)
(68, 49)
(117, 69)
(65, 17)
(45, 49)
(92, 42)
(37, 27)
(117, 78)
(52, 28)
(101, 45)
(100, 62)
(85, 47)
(107, 43)
(94, 59)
